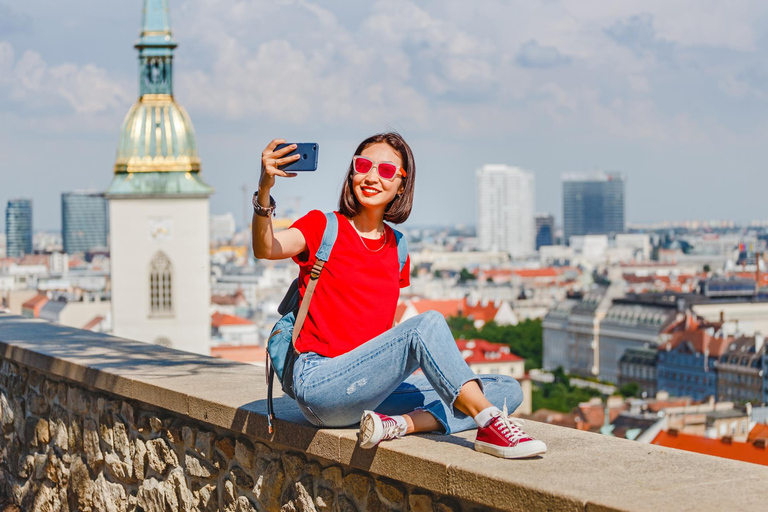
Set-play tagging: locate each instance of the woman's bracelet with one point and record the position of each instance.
(263, 211)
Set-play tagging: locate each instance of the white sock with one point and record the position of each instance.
(401, 424)
(485, 416)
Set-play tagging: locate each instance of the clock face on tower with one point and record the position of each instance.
(160, 229)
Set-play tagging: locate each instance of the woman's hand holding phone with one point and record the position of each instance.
(271, 159)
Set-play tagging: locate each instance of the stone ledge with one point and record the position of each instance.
(582, 471)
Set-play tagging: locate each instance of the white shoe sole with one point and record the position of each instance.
(521, 451)
(371, 430)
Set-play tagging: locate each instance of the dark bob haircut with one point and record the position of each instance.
(399, 209)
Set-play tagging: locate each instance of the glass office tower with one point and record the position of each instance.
(18, 227)
(84, 221)
(545, 230)
(593, 204)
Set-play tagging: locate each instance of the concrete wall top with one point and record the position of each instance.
(581, 471)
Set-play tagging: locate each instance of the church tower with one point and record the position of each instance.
(158, 208)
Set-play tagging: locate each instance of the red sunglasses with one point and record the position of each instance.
(387, 170)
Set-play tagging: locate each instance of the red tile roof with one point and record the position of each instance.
(538, 272)
(745, 452)
(228, 300)
(219, 319)
(759, 432)
(240, 353)
(458, 307)
(93, 323)
(482, 351)
(37, 300)
(700, 340)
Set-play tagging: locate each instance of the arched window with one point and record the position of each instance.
(160, 295)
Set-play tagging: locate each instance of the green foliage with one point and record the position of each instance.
(523, 339)
(560, 395)
(707, 268)
(465, 275)
(629, 390)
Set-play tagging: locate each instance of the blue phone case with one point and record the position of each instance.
(308, 160)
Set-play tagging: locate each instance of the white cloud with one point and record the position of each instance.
(85, 89)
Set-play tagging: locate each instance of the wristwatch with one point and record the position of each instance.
(261, 210)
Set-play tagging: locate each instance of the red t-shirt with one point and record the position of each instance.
(356, 296)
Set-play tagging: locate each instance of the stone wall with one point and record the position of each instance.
(69, 448)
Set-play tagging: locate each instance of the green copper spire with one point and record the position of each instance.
(155, 47)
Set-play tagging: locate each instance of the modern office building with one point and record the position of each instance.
(18, 227)
(83, 221)
(505, 197)
(593, 204)
(159, 208)
(545, 230)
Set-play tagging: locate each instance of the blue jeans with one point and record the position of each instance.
(378, 375)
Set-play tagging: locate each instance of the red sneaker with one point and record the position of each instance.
(375, 428)
(504, 437)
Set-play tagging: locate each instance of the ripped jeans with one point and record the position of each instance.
(378, 375)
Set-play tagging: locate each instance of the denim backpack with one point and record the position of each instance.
(281, 353)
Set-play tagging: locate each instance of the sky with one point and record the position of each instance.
(672, 94)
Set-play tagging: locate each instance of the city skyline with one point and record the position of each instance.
(665, 94)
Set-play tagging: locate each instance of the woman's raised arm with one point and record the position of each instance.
(267, 244)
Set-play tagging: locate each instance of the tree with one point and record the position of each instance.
(707, 268)
(629, 390)
(524, 339)
(465, 275)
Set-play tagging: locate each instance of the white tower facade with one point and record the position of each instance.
(158, 209)
(505, 210)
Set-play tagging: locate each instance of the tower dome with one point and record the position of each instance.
(157, 136)
(157, 152)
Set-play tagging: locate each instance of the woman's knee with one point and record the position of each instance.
(433, 328)
(501, 388)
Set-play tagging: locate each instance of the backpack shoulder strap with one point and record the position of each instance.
(321, 256)
(402, 248)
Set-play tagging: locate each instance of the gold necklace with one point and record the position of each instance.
(383, 243)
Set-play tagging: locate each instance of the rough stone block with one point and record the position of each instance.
(91, 446)
(226, 446)
(391, 492)
(6, 413)
(75, 434)
(207, 498)
(244, 454)
(240, 478)
(345, 505)
(179, 485)
(333, 476)
(108, 496)
(294, 466)
(188, 436)
(81, 486)
(204, 443)
(356, 485)
(156, 496)
(325, 499)
(198, 467)
(42, 432)
(77, 400)
(37, 404)
(126, 411)
(269, 483)
(160, 455)
(139, 459)
(419, 503)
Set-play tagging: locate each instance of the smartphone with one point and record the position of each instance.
(308, 160)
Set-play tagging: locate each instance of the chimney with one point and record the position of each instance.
(759, 342)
